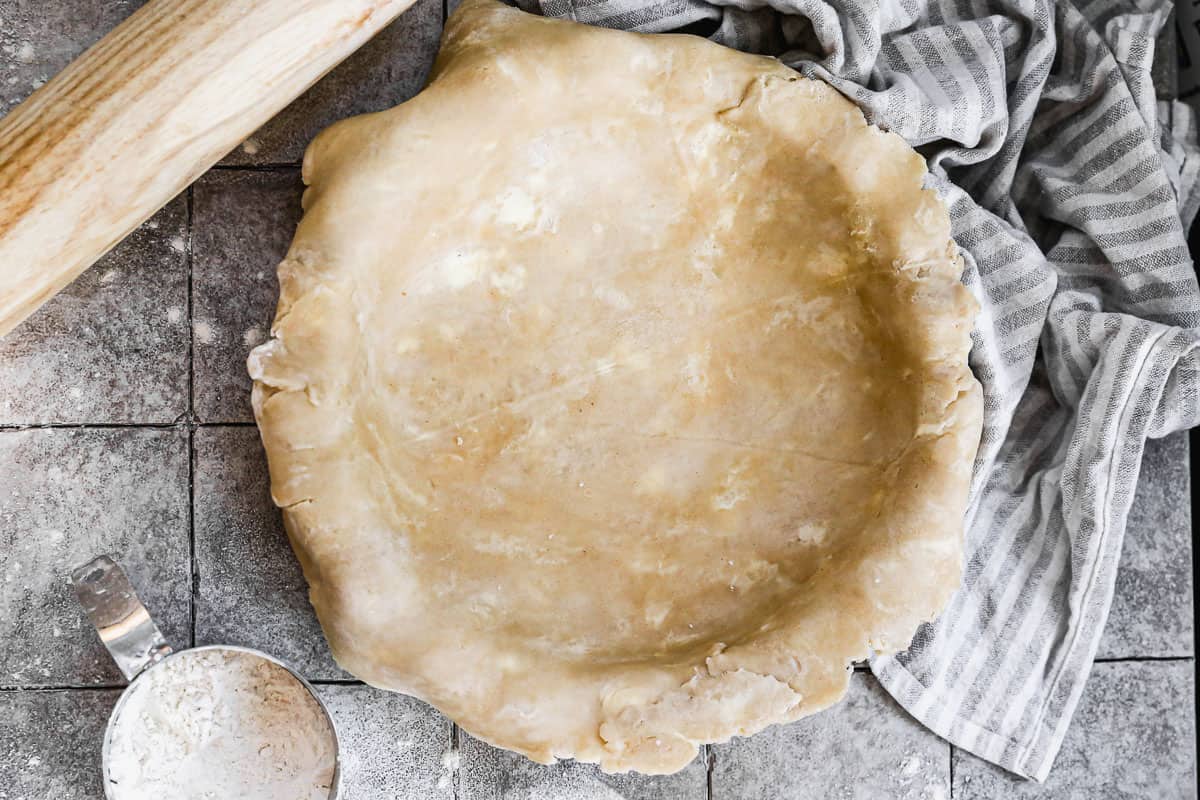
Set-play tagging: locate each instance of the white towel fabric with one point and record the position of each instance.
(1070, 188)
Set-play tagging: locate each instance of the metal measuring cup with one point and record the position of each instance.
(137, 646)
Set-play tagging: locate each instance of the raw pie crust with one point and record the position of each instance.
(618, 393)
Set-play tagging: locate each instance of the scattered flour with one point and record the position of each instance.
(935, 792)
(203, 331)
(451, 762)
(26, 54)
(250, 147)
(221, 724)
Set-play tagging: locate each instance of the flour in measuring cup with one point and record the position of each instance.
(220, 724)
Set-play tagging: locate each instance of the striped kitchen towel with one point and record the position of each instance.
(1070, 188)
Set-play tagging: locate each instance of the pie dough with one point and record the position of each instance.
(618, 393)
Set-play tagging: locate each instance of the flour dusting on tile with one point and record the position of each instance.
(935, 791)
(203, 331)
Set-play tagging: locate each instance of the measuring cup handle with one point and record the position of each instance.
(122, 621)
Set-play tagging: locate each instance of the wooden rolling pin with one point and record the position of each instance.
(97, 150)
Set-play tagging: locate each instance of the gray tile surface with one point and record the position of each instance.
(112, 347)
(391, 68)
(39, 38)
(243, 224)
(492, 774)
(866, 746)
(50, 743)
(67, 495)
(1133, 736)
(1151, 612)
(392, 746)
(250, 589)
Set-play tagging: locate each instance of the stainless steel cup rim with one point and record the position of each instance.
(137, 646)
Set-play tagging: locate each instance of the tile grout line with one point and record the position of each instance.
(456, 749)
(1141, 659)
(179, 424)
(710, 760)
(66, 687)
(193, 576)
(91, 687)
(278, 167)
(1193, 439)
(193, 582)
(189, 256)
(950, 752)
